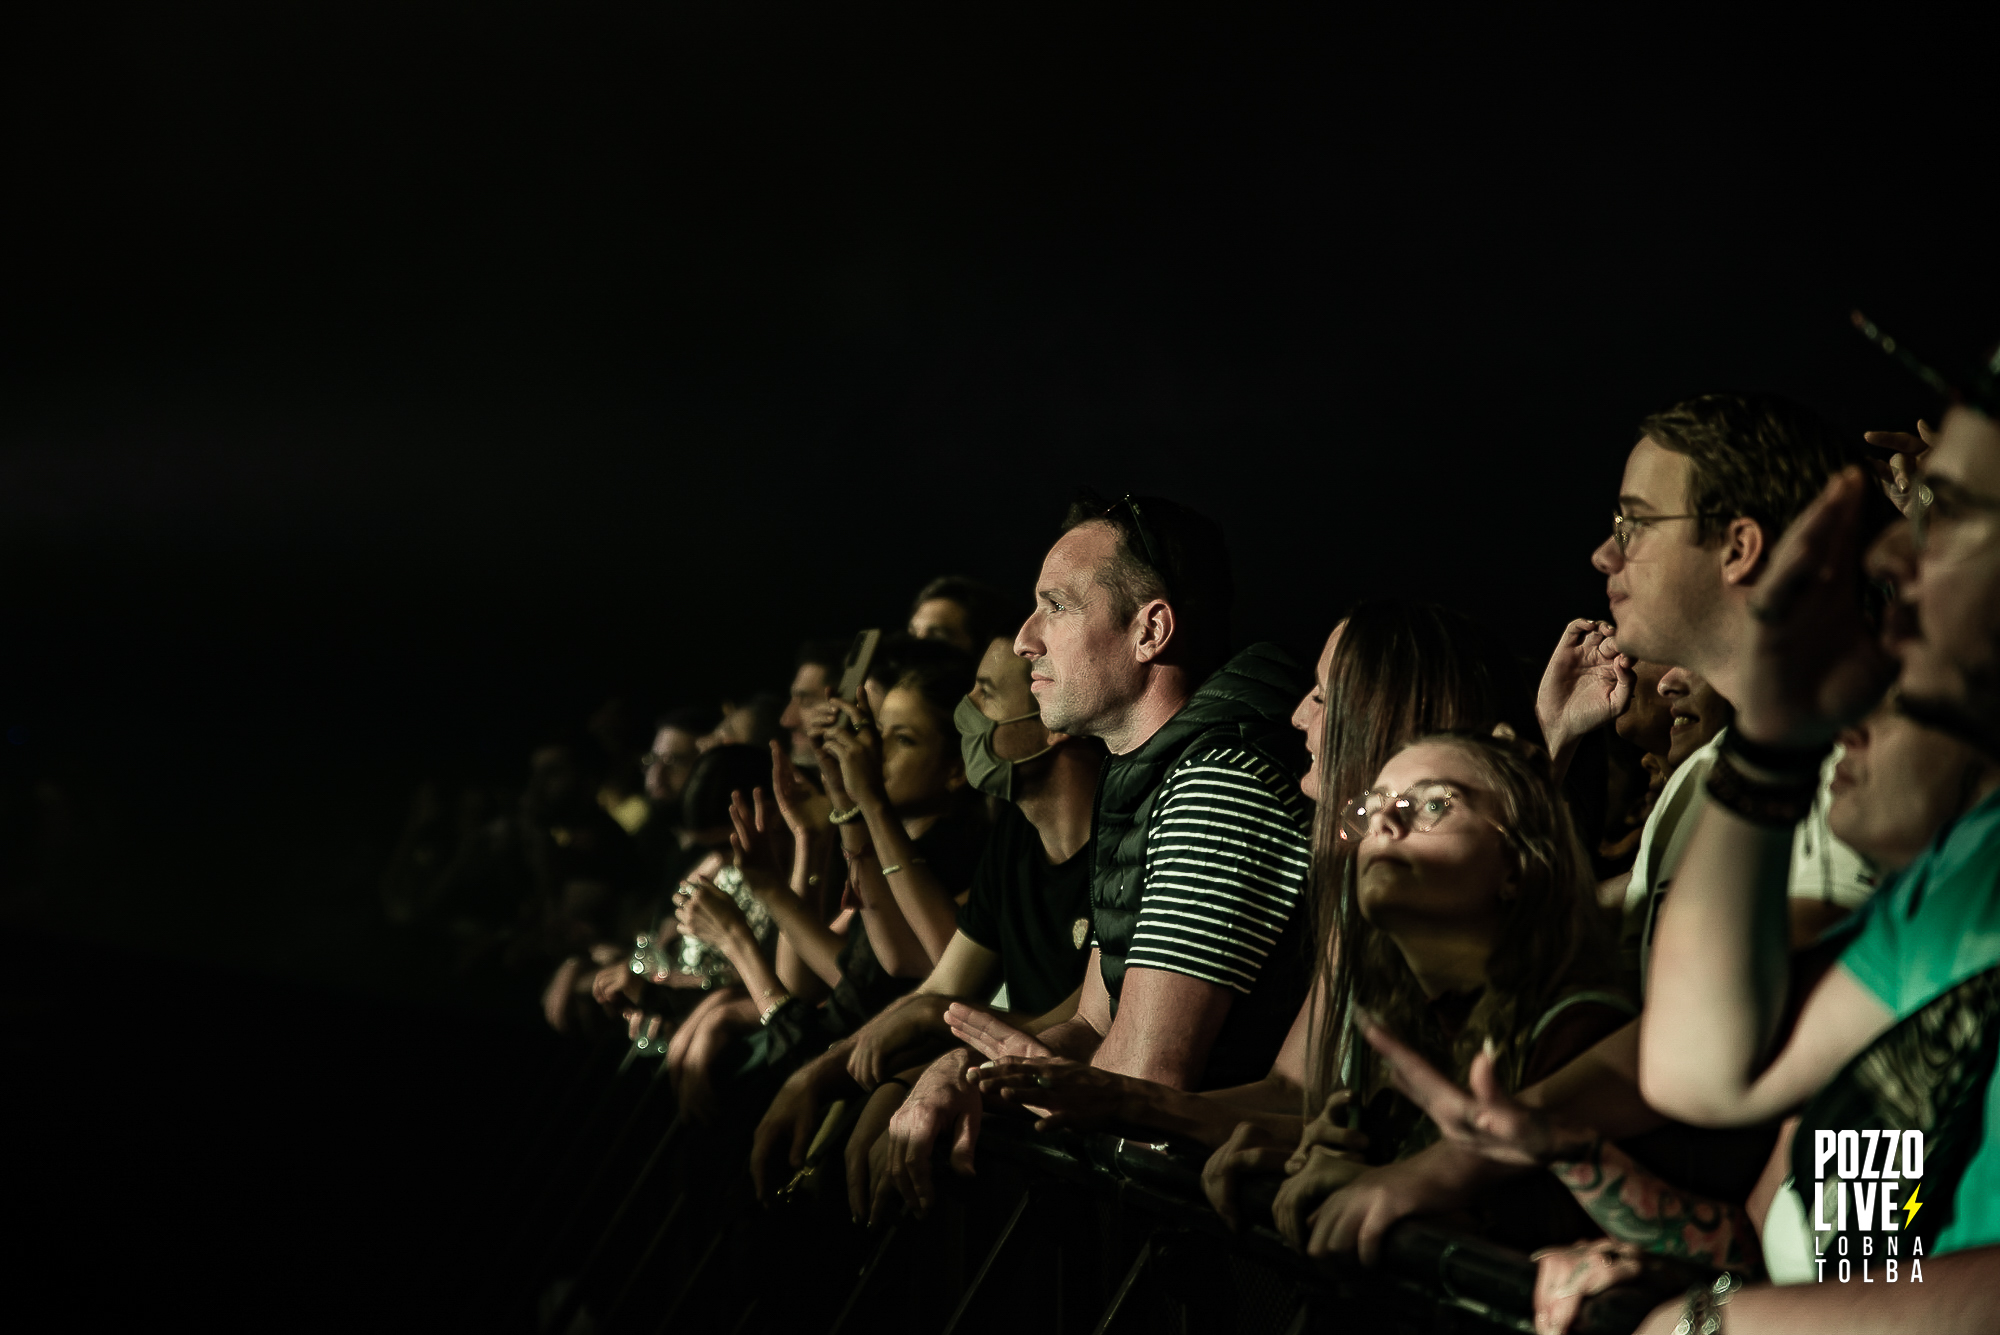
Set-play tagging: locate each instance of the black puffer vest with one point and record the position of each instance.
(1248, 703)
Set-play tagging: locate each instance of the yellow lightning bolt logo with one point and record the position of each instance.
(1912, 1205)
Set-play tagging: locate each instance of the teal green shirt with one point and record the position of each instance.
(1932, 927)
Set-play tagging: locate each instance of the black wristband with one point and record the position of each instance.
(1778, 805)
(1777, 759)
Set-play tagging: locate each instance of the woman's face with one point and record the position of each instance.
(1458, 874)
(1897, 784)
(1698, 713)
(1310, 716)
(921, 766)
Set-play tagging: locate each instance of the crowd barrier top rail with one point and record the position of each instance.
(1436, 1262)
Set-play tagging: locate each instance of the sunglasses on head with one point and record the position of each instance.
(1107, 509)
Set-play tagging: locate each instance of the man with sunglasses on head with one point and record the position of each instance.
(1200, 847)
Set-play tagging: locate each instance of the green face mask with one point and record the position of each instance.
(985, 768)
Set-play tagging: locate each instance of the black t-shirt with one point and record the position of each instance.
(951, 848)
(1027, 911)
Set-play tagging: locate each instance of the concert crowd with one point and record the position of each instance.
(1608, 963)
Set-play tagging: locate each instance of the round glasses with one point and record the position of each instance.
(1420, 808)
(1626, 527)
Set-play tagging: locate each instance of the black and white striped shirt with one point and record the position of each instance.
(1226, 862)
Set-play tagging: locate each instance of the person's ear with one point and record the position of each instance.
(1154, 624)
(1743, 551)
(954, 776)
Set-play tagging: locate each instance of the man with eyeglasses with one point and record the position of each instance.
(1900, 1033)
(1708, 490)
(1199, 849)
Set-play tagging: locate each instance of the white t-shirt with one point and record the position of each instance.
(1823, 868)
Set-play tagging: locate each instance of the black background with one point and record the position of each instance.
(384, 387)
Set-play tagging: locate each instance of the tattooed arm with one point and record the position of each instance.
(1634, 1205)
(1628, 1200)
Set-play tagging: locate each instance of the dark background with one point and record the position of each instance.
(385, 387)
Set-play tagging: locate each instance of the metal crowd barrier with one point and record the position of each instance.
(639, 1223)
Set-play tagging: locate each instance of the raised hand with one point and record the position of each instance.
(1485, 1119)
(1814, 662)
(791, 793)
(822, 721)
(1586, 684)
(857, 746)
(1062, 1092)
(753, 842)
(990, 1035)
(1898, 475)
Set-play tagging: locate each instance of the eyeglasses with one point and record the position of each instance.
(1625, 527)
(1420, 807)
(652, 758)
(1938, 499)
(1108, 508)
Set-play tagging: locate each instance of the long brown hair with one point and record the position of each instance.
(1552, 939)
(1400, 671)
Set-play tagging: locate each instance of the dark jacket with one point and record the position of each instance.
(1247, 703)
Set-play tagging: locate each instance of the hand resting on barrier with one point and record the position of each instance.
(1059, 1091)
(1250, 1151)
(944, 1104)
(1328, 1158)
(1565, 1276)
(990, 1035)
